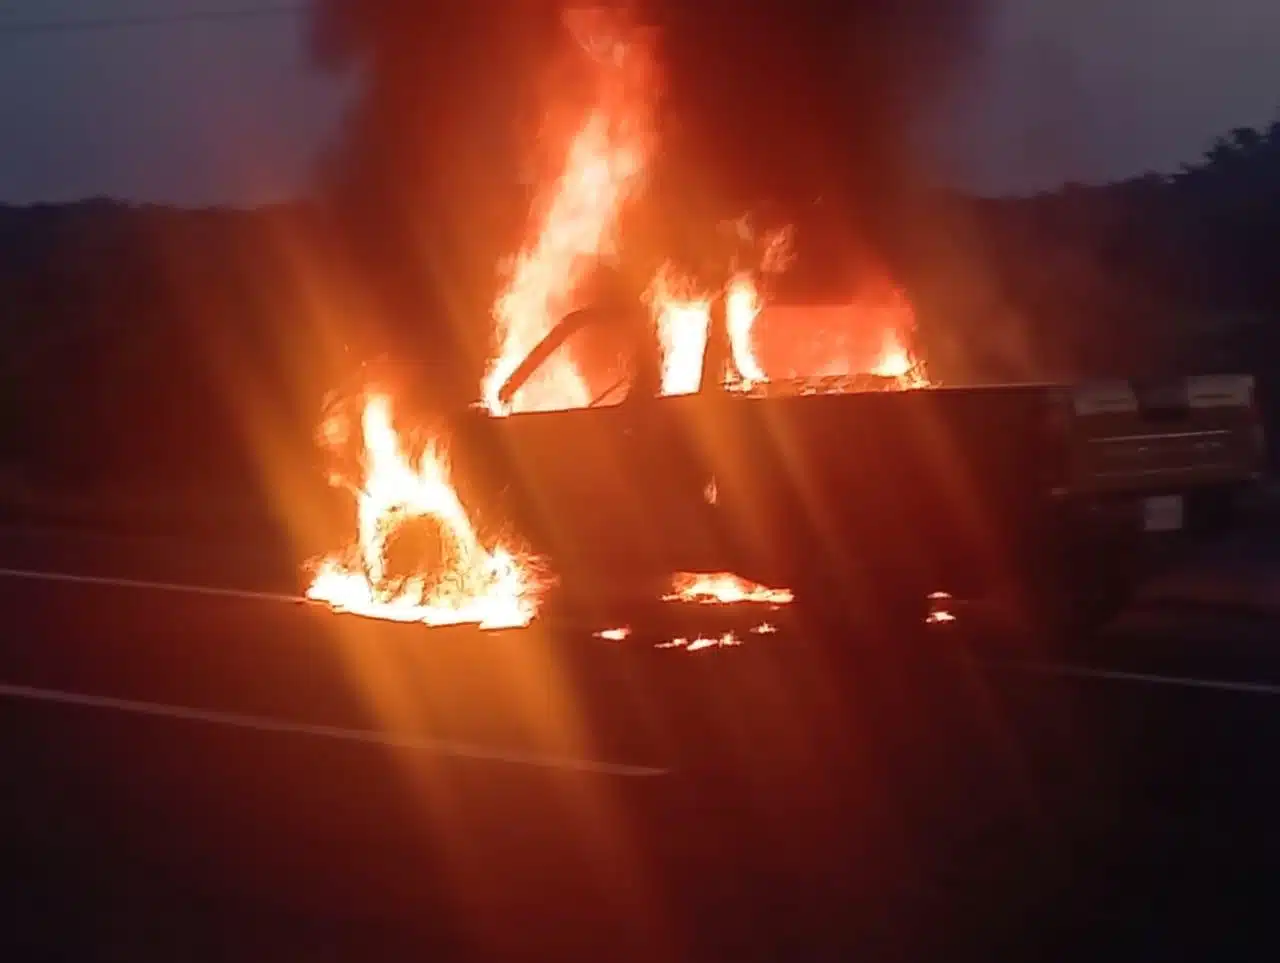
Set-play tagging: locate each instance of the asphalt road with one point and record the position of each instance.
(218, 771)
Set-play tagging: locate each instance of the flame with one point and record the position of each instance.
(682, 317)
(470, 582)
(614, 635)
(723, 588)
(897, 361)
(894, 361)
(743, 301)
(896, 358)
(821, 342)
(940, 609)
(602, 171)
(742, 306)
(705, 643)
(700, 642)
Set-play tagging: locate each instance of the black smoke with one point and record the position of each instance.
(424, 179)
(779, 104)
(767, 105)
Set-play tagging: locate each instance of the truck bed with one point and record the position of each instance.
(951, 488)
(911, 487)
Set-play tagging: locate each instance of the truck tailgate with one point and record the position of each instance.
(1189, 433)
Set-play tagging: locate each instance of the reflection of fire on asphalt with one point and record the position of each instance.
(577, 217)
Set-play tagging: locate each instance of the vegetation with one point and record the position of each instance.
(183, 355)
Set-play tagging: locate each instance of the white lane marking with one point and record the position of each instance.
(1185, 682)
(457, 750)
(175, 587)
(1061, 669)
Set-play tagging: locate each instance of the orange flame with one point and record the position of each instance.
(896, 361)
(940, 609)
(822, 342)
(602, 171)
(742, 305)
(724, 588)
(682, 317)
(491, 586)
(698, 643)
(614, 635)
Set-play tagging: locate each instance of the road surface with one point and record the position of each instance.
(198, 766)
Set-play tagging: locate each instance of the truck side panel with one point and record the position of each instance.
(909, 491)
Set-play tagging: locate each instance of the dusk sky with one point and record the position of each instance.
(206, 113)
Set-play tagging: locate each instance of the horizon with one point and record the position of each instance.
(1060, 95)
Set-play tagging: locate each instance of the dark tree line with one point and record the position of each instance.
(1159, 272)
(158, 351)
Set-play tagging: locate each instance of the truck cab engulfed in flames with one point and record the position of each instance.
(843, 485)
(705, 430)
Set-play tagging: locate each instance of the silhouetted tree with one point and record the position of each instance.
(157, 350)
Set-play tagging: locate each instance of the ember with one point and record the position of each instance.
(614, 635)
(702, 642)
(602, 172)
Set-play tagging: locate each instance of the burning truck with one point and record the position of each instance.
(801, 448)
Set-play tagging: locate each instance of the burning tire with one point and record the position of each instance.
(419, 550)
(418, 554)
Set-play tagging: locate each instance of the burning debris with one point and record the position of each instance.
(695, 643)
(701, 642)
(576, 230)
(941, 606)
(724, 588)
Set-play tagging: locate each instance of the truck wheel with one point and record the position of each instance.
(1215, 511)
(1075, 606)
(874, 608)
(1094, 604)
(418, 548)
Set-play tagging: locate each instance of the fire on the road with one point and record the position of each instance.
(724, 588)
(698, 643)
(614, 635)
